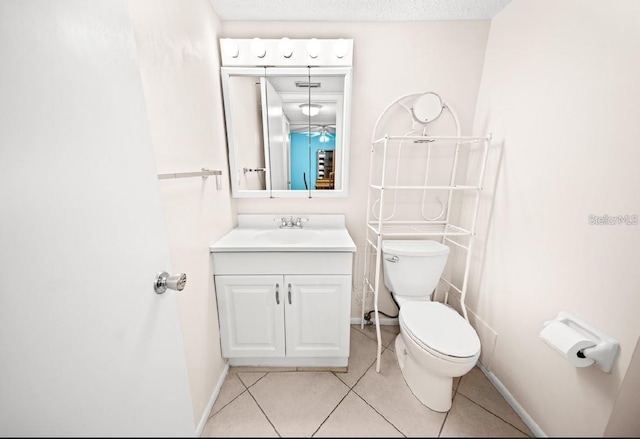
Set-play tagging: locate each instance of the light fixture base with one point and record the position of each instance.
(285, 52)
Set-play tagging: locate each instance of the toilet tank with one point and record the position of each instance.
(413, 267)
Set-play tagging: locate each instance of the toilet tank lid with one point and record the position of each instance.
(413, 247)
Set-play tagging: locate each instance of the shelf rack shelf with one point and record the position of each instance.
(395, 226)
(416, 228)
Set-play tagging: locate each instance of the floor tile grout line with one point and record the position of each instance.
(334, 409)
(381, 415)
(444, 421)
(352, 389)
(267, 417)
(361, 376)
(381, 329)
(495, 414)
(246, 389)
(211, 414)
(260, 407)
(357, 328)
(489, 411)
(349, 389)
(367, 369)
(256, 381)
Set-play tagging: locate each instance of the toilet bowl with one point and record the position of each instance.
(435, 343)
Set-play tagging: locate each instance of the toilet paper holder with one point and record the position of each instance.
(606, 348)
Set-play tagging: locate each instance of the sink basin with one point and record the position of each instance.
(260, 233)
(288, 236)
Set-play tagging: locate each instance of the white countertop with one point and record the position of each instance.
(262, 233)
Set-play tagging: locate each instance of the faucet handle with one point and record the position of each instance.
(299, 222)
(283, 222)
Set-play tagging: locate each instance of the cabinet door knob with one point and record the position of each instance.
(277, 294)
(289, 291)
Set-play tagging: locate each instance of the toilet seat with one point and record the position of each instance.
(439, 330)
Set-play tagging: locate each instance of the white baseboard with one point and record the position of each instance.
(212, 400)
(528, 420)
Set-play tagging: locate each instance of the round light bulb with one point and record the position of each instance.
(258, 47)
(286, 47)
(313, 47)
(230, 48)
(341, 48)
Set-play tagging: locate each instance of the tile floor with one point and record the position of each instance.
(358, 403)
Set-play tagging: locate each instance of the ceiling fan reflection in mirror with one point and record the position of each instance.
(326, 132)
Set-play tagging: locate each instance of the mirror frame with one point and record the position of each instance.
(343, 146)
(423, 111)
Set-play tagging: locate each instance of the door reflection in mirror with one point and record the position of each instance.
(276, 129)
(247, 135)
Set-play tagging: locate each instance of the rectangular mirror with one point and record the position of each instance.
(287, 130)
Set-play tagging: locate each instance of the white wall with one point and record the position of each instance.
(390, 60)
(624, 421)
(560, 93)
(180, 69)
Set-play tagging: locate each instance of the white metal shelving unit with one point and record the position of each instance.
(394, 226)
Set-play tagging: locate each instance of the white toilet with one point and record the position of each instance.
(435, 343)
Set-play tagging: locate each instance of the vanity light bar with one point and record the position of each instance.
(285, 52)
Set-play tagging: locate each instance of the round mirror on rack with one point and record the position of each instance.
(427, 107)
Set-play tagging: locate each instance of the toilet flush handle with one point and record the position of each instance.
(393, 259)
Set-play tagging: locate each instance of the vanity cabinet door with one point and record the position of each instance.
(251, 315)
(317, 317)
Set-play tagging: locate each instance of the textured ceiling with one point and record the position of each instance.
(357, 10)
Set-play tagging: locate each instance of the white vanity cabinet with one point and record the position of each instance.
(284, 296)
(275, 316)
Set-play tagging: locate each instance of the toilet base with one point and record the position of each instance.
(434, 391)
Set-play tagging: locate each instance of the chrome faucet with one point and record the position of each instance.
(290, 223)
